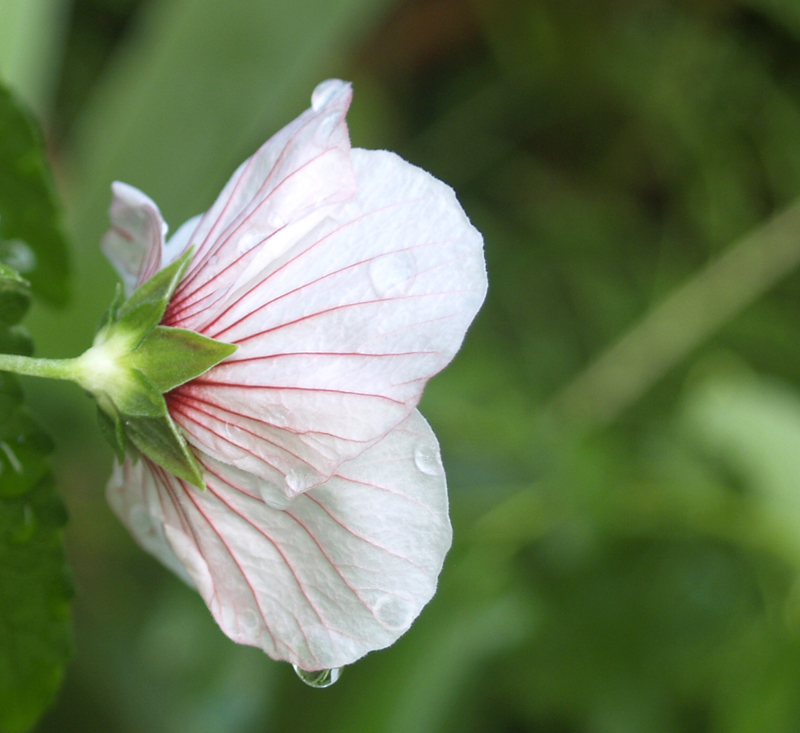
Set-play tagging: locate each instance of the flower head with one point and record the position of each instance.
(345, 279)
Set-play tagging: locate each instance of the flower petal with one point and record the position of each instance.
(270, 202)
(135, 240)
(344, 570)
(338, 335)
(133, 494)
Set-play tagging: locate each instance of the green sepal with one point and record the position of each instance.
(110, 316)
(113, 432)
(15, 296)
(172, 356)
(134, 361)
(138, 322)
(145, 308)
(138, 396)
(158, 438)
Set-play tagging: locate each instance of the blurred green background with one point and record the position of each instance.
(622, 427)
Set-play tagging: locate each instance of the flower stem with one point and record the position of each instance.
(48, 368)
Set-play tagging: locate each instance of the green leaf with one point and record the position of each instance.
(16, 340)
(35, 590)
(34, 585)
(15, 297)
(23, 450)
(10, 396)
(158, 438)
(30, 223)
(173, 356)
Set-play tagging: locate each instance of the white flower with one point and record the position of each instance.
(347, 278)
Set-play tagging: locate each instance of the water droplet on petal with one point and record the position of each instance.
(392, 274)
(325, 127)
(273, 495)
(142, 524)
(277, 218)
(427, 460)
(247, 241)
(249, 619)
(324, 92)
(320, 678)
(301, 478)
(278, 416)
(393, 613)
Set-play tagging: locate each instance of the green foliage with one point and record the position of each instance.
(31, 236)
(34, 586)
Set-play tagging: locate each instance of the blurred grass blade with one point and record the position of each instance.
(752, 426)
(31, 40)
(688, 316)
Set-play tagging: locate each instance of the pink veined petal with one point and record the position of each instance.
(134, 242)
(133, 494)
(338, 335)
(344, 570)
(272, 200)
(179, 242)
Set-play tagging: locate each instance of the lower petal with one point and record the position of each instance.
(343, 570)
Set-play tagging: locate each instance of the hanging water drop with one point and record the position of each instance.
(320, 678)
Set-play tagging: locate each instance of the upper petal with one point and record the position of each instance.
(269, 203)
(134, 242)
(344, 570)
(339, 333)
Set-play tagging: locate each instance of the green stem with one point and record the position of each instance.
(689, 315)
(48, 368)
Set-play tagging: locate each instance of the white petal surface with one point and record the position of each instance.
(339, 332)
(272, 200)
(344, 570)
(132, 492)
(135, 240)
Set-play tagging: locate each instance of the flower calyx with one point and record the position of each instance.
(134, 361)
